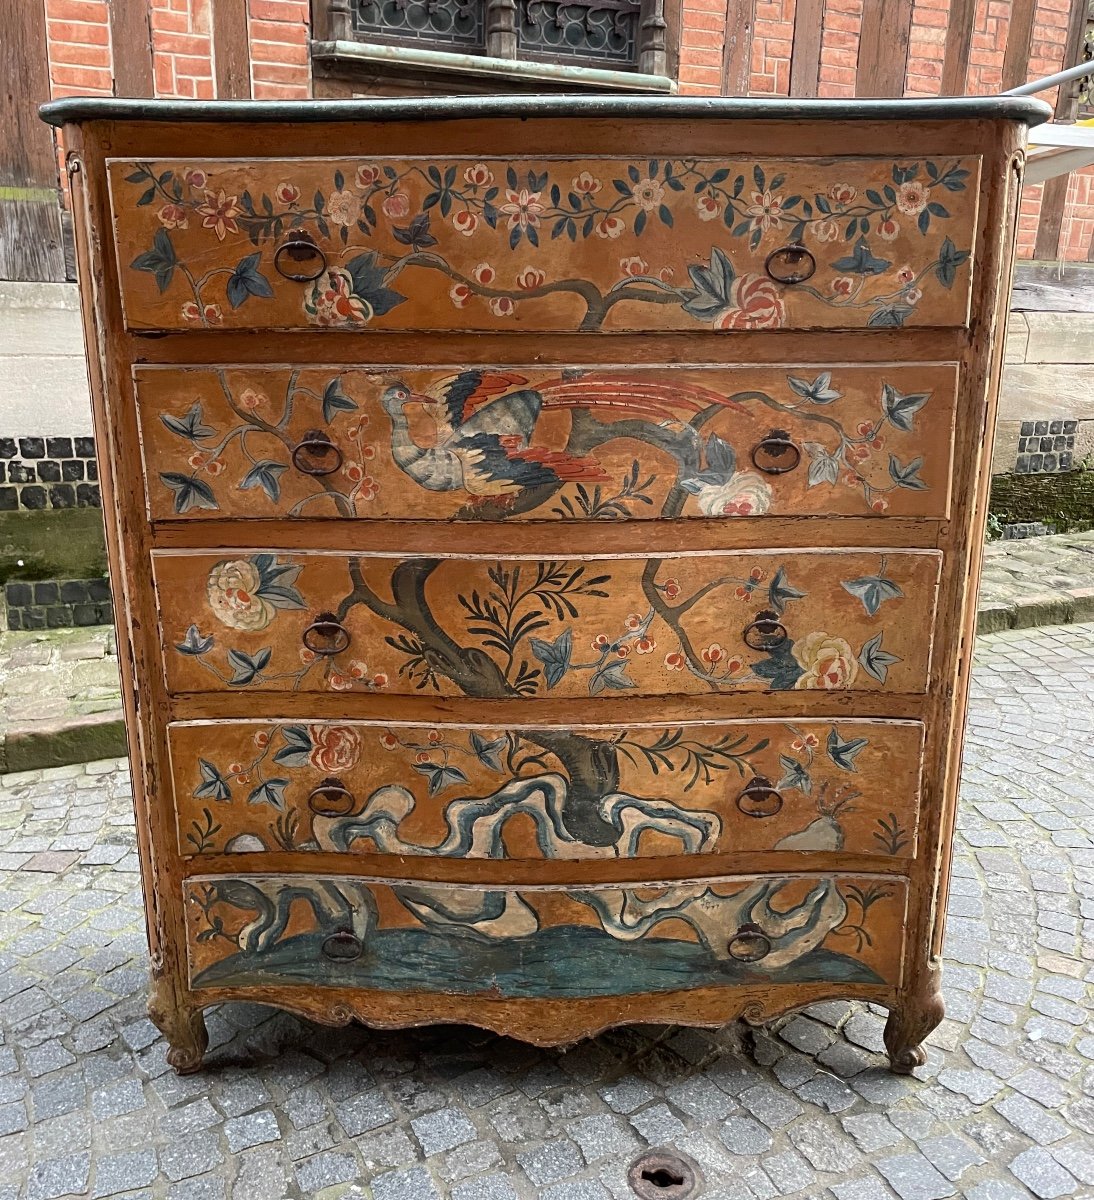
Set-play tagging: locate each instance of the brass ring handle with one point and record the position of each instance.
(760, 798)
(331, 799)
(791, 264)
(772, 448)
(299, 247)
(315, 445)
(326, 635)
(765, 631)
(749, 944)
(342, 947)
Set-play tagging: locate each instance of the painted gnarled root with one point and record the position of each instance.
(907, 1028)
(184, 1029)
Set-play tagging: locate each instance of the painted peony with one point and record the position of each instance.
(746, 495)
(330, 300)
(231, 592)
(756, 303)
(826, 661)
(334, 747)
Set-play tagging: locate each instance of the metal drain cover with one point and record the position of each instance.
(663, 1175)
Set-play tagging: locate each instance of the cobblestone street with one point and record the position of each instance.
(1004, 1108)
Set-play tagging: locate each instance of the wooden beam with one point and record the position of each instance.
(131, 36)
(1019, 39)
(883, 48)
(955, 63)
(806, 54)
(231, 49)
(737, 55)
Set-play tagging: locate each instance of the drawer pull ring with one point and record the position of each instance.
(326, 635)
(765, 631)
(342, 947)
(316, 454)
(791, 264)
(749, 944)
(299, 247)
(332, 799)
(760, 798)
(775, 453)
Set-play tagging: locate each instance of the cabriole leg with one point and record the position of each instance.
(182, 1024)
(911, 1021)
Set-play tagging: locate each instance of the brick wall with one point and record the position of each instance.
(81, 60)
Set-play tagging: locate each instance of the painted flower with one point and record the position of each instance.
(195, 178)
(879, 504)
(368, 489)
(713, 655)
(843, 285)
(707, 207)
(191, 312)
(675, 661)
(219, 213)
(389, 741)
(913, 295)
(465, 222)
(262, 739)
(307, 657)
(173, 216)
(634, 266)
(354, 472)
(231, 589)
(485, 274)
(912, 197)
(756, 303)
(251, 400)
(330, 300)
(287, 193)
(601, 642)
(808, 741)
(841, 193)
(905, 274)
(531, 278)
(743, 592)
(396, 206)
(826, 230)
(422, 756)
(645, 645)
(826, 661)
(342, 207)
(609, 227)
(212, 314)
(459, 294)
(379, 681)
(766, 211)
(633, 621)
(649, 194)
(340, 682)
(586, 184)
(201, 461)
(479, 175)
(671, 588)
(757, 574)
(367, 175)
(334, 747)
(888, 229)
(745, 495)
(502, 306)
(522, 208)
(622, 651)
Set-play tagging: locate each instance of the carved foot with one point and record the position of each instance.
(908, 1026)
(184, 1028)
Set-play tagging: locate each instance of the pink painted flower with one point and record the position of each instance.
(609, 227)
(219, 213)
(287, 193)
(888, 229)
(459, 294)
(484, 273)
(649, 194)
(342, 207)
(826, 230)
(633, 621)
(757, 303)
(913, 295)
(191, 312)
(396, 206)
(601, 641)
(675, 661)
(367, 175)
(645, 645)
(213, 314)
(707, 207)
(195, 178)
(766, 211)
(389, 741)
(905, 275)
(251, 400)
(841, 193)
(531, 278)
(340, 682)
(713, 655)
(843, 285)
(368, 489)
(173, 216)
(912, 197)
(634, 266)
(330, 300)
(522, 208)
(502, 306)
(379, 681)
(671, 588)
(479, 175)
(586, 184)
(334, 747)
(465, 222)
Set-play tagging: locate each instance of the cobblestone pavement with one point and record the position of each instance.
(1004, 1109)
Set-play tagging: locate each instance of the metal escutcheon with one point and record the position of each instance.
(765, 631)
(299, 248)
(326, 635)
(791, 264)
(760, 798)
(775, 453)
(316, 454)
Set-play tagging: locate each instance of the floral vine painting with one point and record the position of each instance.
(548, 792)
(546, 244)
(695, 624)
(493, 443)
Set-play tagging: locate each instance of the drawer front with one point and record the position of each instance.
(505, 443)
(546, 942)
(460, 791)
(550, 244)
(524, 627)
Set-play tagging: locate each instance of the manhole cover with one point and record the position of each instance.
(663, 1175)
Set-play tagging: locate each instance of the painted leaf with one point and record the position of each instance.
(861, 261)
(890, 316)
(487, 752)
(192, 426)
(713, 286)
(271, 792)
(900, 408)
(823, 465)
(368, 283)
(842, 753)
(819, 391)
(794, 776)
(781, 669)
(194, 642)
(720, 457)
(555, 655)
(189, 491)
(247, 280)
(160, 262)
(440, 777)
(212, 782)
(275, 580)
(298, 746)
(247, 666)
(780, 590)
(906, 475)
(872, 590)
(875, 661)
(949, 259)
(613, 677)
(265, 475)
(416, 234)
(336, 400)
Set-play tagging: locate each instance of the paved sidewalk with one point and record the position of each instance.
(60, 703)
(1004, 1109)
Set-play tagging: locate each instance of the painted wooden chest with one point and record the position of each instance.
(545, 574)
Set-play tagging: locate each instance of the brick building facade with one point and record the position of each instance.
(758, 47)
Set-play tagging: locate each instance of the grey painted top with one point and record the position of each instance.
(77, 109)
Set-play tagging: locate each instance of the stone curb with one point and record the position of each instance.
(102, 735)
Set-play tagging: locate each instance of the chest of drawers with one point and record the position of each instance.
(544, 538)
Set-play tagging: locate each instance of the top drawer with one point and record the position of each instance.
(545, 244)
